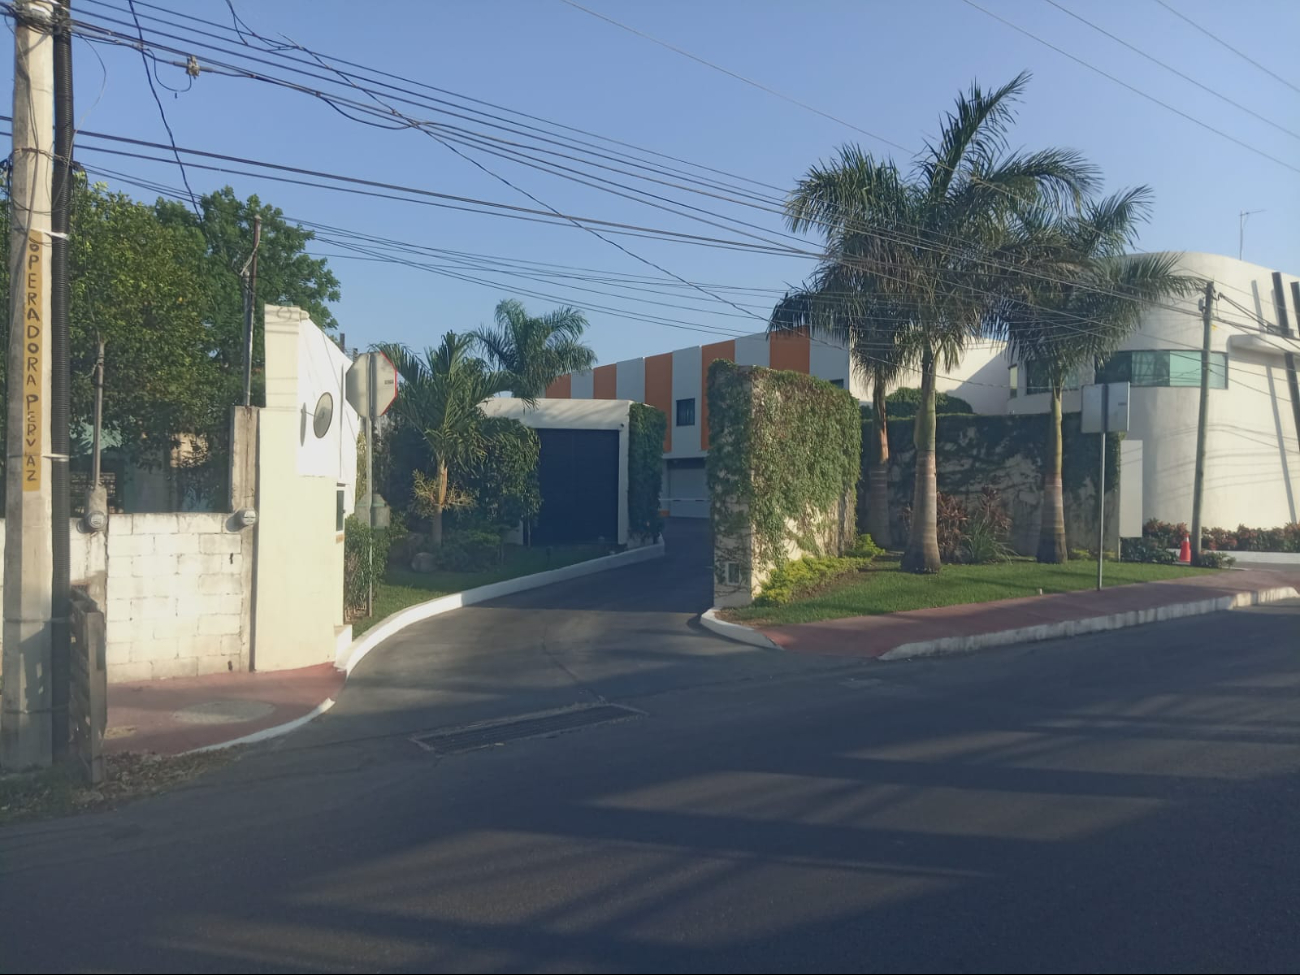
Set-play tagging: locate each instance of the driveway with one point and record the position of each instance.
(623, 634)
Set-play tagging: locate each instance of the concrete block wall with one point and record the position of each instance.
(172, 590)
(175, 599)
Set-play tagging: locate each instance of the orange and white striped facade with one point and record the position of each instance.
(675, 381)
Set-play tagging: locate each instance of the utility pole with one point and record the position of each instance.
(1198, 485)
(26, 726)
(249, 274)
(60, 383)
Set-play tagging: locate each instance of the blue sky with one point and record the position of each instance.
(887, 67)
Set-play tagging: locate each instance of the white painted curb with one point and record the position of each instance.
(353, 654)
(266, 734)
(1097, 624)
(735, 631)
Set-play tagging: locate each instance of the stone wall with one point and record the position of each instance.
(1006, 454)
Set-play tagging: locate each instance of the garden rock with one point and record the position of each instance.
(424, 562)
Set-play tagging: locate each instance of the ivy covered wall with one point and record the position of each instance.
(645, 453)
(784, 460)
(1006, 453)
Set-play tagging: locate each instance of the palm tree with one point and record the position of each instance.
(943, 244)
(442, 397)
(1066, 325)
(535, 350)
(845, 307)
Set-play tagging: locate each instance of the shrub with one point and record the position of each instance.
(1216, 560)
(1165, 534)
(645, 461)
(360, 568)
(1144, 549)
(864, 548)
(955, 523)
(468, 550)
(904, 403)
(794, 579)
(983, 541)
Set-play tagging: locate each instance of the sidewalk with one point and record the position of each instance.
(173, 716)
(955, 629)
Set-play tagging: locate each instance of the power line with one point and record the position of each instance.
(1169, 67)
(1241, 54)
(1132, 88)
(161, 112)
(739, 77)
(620, 313)
(909, 241)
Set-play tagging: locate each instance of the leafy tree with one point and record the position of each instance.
(442, 396)
(535, 350)
(943, 245)
(141, 286)
(503, 481)
(286, 273)
(843, 305)
(1066, 325)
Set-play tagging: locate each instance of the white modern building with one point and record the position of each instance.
(1252, 457)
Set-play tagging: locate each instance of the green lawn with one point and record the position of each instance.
(885, 589)
(402, 587)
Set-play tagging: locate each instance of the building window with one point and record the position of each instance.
(839, 384)
(1164, 367)
(686, 412)
(1013, 376)
(1038, 378)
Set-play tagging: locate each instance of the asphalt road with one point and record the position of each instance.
(1124, 802)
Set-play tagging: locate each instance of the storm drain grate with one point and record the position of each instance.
(455, 740)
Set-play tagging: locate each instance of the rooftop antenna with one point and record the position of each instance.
(1242, 217)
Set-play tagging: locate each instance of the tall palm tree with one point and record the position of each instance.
(442, 396)
(1064, 325)
(535, 350)
(943, 243)
(842, 306)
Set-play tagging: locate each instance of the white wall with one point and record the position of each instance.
(171, 590)
(687, 379)
(753, 350)
(571, 414)
(299, 577)
(629, 381)
(828, 361)
(583, 385)
(1252, 457)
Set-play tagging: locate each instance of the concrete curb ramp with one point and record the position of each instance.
(357, 650)
(735, 631)
(353, 654)
(1030, 634)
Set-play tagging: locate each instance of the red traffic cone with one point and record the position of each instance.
(1185, 553)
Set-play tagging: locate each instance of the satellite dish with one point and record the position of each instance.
(324, 415)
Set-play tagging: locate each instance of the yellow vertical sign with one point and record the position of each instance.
(33, 357)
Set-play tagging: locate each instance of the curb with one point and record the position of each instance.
(357, 650)
(266, 734)
(735, 632)
(1096, 624)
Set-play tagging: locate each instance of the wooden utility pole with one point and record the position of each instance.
(26, 725)
(1198, 485)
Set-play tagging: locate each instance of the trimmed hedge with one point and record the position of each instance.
(645, 446)
(785, 451)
